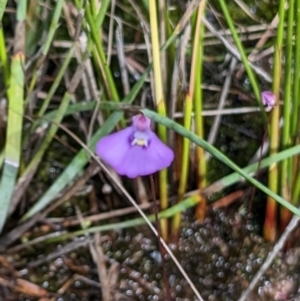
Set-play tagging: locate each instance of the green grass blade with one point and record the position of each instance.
(108, 79)
(244, 58)
(46, 45)
(53, 26)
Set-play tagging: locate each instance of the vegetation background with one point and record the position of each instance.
(75, 71)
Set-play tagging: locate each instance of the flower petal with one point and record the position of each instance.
(141, 161)
(113, 148)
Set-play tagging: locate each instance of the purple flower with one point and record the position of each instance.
(268, 99)
(136, 150)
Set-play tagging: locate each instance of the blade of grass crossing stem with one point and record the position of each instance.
(93, 7)
(270, 224)
(216, 153)
(106, 72)
(46, 46)
(244, 58)
(79, 161)
(54, 86)
(15, 95)
(107, 78)
(286, 178)
(94, 22)
(161, 108)
(102, 12)
(53, 27)
(188, 108)
(199, 122)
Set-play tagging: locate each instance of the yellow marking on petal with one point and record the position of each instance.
(140, 142)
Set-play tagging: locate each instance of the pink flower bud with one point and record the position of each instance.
(268, 99)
